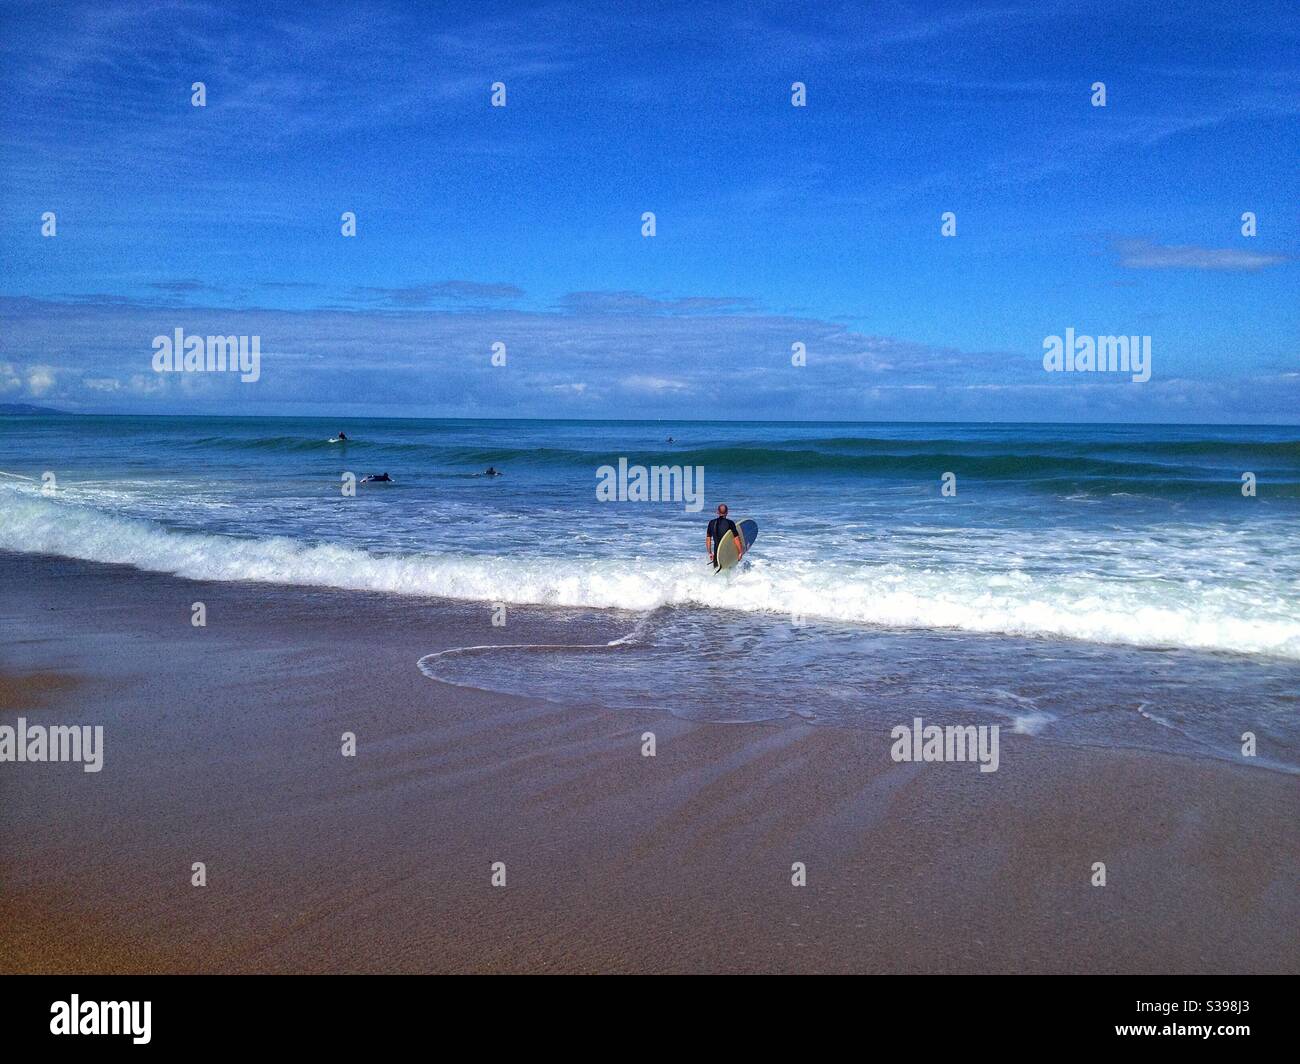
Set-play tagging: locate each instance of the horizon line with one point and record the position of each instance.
(645, 421)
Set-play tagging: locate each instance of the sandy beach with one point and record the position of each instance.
(222, 745)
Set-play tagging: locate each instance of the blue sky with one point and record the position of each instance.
(775, 224)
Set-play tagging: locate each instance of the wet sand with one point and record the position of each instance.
(222, 745)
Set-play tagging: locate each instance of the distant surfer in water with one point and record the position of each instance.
(377, 478)
(718, 528)
(491, 472)
(342, 437)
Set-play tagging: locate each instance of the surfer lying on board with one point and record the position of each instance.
(377, 478)
(718, 528)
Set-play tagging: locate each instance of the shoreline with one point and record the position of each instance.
(222, 745)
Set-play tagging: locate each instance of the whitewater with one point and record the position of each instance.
(1132, 605)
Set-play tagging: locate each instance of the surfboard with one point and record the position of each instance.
(728, 553)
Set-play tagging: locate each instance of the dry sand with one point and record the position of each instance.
(222, 745)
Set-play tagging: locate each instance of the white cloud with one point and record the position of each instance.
(656, 385)
(143, 385)
(40, 379)
(102, 384)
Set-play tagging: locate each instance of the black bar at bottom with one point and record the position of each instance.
(346, 1013)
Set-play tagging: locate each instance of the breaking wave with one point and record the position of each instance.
(1135, 611)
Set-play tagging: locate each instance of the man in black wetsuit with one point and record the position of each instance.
(718, 528)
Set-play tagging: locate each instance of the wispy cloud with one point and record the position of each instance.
(639, 303)
(427, 295)
(1147, 255)
(183, 287)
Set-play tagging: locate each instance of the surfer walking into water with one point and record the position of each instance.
(718, 528)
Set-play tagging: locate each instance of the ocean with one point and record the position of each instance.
(1086, 584)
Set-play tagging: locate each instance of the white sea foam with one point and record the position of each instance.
(949, 594)
(1031, 723)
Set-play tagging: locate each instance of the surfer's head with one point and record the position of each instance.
(722, 509)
